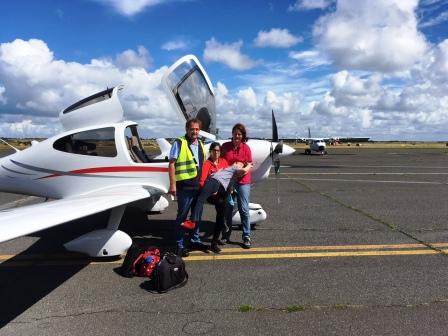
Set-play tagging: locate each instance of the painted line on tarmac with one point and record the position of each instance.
(241, 254)
(373, 173)
(366, 181)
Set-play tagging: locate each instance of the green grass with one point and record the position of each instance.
(294, 308)
(246, 308)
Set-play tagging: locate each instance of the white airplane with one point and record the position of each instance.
(99, 164)
(315, 145)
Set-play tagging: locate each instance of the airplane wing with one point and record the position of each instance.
(25, 220)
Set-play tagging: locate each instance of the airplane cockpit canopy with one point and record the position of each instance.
(100, 108)
(97, 142)
(191, 93)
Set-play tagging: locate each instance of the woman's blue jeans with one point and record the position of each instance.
(242, 196)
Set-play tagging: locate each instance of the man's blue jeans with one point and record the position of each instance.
(186, 200)
(243, 196)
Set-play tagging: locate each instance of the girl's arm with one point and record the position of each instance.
(205, 172)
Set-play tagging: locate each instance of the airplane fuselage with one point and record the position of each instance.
(46, 169)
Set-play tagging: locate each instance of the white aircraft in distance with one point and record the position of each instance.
(318, 145)
(315, 145)
(98, 163)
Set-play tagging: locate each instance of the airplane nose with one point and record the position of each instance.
(287, 150)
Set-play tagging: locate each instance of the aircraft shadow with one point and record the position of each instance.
(34, 273)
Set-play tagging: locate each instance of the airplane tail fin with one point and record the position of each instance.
(164, 146)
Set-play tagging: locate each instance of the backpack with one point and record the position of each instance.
(146, 262)
(169, 273)
(137, 263)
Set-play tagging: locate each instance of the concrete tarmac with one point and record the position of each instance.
(355, 243)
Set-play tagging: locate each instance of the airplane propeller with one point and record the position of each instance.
(275, 151)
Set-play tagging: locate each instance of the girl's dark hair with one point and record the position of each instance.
(213, 145)
(242, 129)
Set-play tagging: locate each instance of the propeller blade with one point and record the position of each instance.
(274, 128)
(278, 147)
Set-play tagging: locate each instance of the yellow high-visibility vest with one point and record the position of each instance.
(186, 166)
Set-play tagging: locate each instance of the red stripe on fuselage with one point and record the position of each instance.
(120, 169)
(115, 169)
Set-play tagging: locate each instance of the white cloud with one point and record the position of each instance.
(276, 38)
(26, 128)
(372, 35)
(309, 59)
(130, 7)
(228, 54)
(131, 59)
(175, 45)
(384, 107)
(38, 86)
(301, 5)
(3, 98)
(247, 98)
(433, 21)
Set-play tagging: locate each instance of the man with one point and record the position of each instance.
(186, 158)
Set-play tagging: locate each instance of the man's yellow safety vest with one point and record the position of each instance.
(186, 167)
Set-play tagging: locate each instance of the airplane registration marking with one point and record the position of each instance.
(240, 254)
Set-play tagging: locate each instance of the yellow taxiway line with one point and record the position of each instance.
(279, 252)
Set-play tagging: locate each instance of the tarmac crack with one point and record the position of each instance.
(105, 311)
(390, 226)
(292, 308)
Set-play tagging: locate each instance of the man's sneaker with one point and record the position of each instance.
(215, 248)
(182, 252)
(246, 243)
(188, 224)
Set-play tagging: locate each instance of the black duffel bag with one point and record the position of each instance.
(169, 273)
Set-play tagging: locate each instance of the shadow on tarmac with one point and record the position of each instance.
(32, 274)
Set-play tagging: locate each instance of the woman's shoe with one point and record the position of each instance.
(215, 248)
(246, 243)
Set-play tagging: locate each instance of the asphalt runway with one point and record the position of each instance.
(355, 244)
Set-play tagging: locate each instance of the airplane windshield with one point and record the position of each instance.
(193, 94)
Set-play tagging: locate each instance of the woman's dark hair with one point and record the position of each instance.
(242, 129)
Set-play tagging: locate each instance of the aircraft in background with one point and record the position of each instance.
(98, 163)
(315, 145)
(319, 145)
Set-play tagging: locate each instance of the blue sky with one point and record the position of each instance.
(342, 68)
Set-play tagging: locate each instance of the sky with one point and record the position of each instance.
(344, 68)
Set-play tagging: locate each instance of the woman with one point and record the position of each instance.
(238, 151)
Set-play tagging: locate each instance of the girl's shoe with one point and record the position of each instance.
(188, 224)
